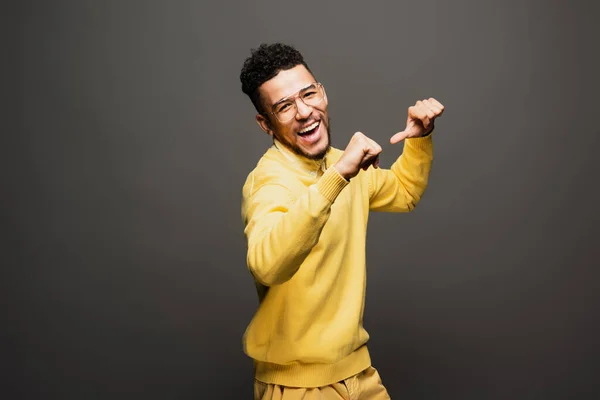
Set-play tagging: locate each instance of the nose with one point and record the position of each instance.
(303, 111)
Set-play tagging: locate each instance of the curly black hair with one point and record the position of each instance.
(265, 63)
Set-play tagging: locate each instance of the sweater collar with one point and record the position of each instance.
(301, 161)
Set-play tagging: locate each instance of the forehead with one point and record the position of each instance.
(285, 83)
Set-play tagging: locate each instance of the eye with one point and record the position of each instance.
(309, 93)
(283, 107)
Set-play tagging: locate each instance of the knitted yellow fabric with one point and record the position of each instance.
(306, 230)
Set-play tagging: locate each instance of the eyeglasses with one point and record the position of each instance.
(286, 109)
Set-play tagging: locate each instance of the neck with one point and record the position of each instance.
(311, 163)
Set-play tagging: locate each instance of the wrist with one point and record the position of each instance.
(429, 132)
(342, 171)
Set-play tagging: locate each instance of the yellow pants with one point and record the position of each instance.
(365, 385)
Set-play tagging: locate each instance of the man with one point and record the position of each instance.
(305, 208)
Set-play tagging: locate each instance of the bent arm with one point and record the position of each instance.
(282, 230)
(400, 188)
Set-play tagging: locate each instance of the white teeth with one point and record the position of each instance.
(310, 127)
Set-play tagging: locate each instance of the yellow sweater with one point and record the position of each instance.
(306, 230)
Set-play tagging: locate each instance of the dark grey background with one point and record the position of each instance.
(127, 141)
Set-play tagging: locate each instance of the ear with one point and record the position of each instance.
(264, 124)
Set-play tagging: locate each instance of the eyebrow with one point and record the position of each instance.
(287, 97)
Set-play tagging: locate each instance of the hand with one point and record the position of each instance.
(361, 152)
(420, 119)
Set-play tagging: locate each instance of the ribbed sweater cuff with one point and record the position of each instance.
(421, 143)
(331, 184)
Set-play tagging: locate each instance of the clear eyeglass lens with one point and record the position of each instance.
(311, 96)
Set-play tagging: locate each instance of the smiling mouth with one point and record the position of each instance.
(309, 130)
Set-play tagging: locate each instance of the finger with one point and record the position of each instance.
(437, 104)
(418, 112)
(371, 147)
(398, 137)
(376, 161)
(369, 158)
(432, 107)
(365, 138)
(429, 113)
(375, 147)
(367, 163)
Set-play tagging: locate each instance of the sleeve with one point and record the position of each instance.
(282, 230)
(400, 188)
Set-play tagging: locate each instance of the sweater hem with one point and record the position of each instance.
(313, 375)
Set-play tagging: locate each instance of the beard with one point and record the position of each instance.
(320, 155)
